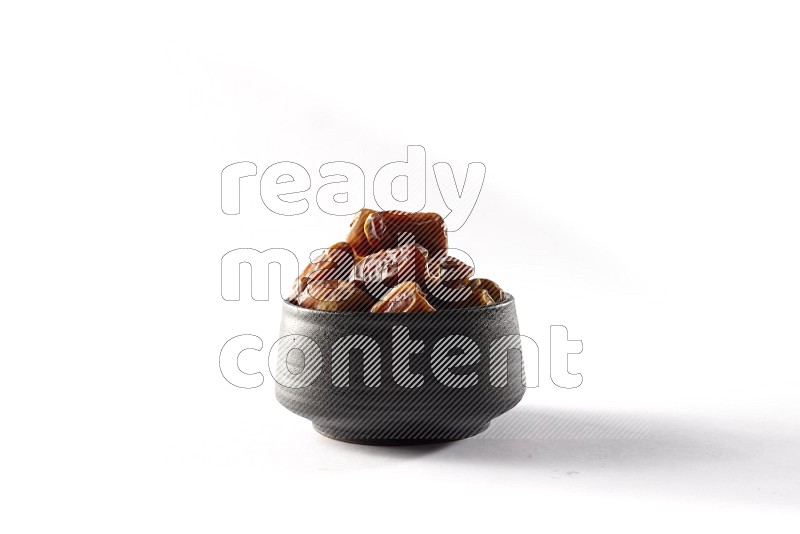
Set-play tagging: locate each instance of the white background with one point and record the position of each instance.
(641, 189)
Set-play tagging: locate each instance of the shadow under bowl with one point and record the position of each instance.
(400, 378)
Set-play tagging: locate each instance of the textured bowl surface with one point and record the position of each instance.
(399, 378)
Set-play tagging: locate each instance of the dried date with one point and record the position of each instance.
(357, 236)
(494, 290)
(385, 269)
(389, 229)
(334, 263)
(406, 297)
(335, 295)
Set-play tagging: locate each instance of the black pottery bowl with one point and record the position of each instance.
(399, 378)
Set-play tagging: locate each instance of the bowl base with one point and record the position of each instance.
(350, 436)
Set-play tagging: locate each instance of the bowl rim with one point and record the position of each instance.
(508, 301)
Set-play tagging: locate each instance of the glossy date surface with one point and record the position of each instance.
(406, 297)
(392, 262)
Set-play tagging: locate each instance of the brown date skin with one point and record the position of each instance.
(450, 290)
(334, 263)
(416, 276)
(388, 229)
(454, 272)
(357, 237)
(406, 297)
(494, 290)
(385, 269)
(298, 287)
(335, 295)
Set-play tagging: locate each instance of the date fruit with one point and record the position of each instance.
(406, 297)
(357, 236)
(492, 288)
(392, 262)
(389, 229)
(385, 269)
(334, 263)
(335, 295)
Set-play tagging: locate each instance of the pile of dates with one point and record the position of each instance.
(392, 262)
